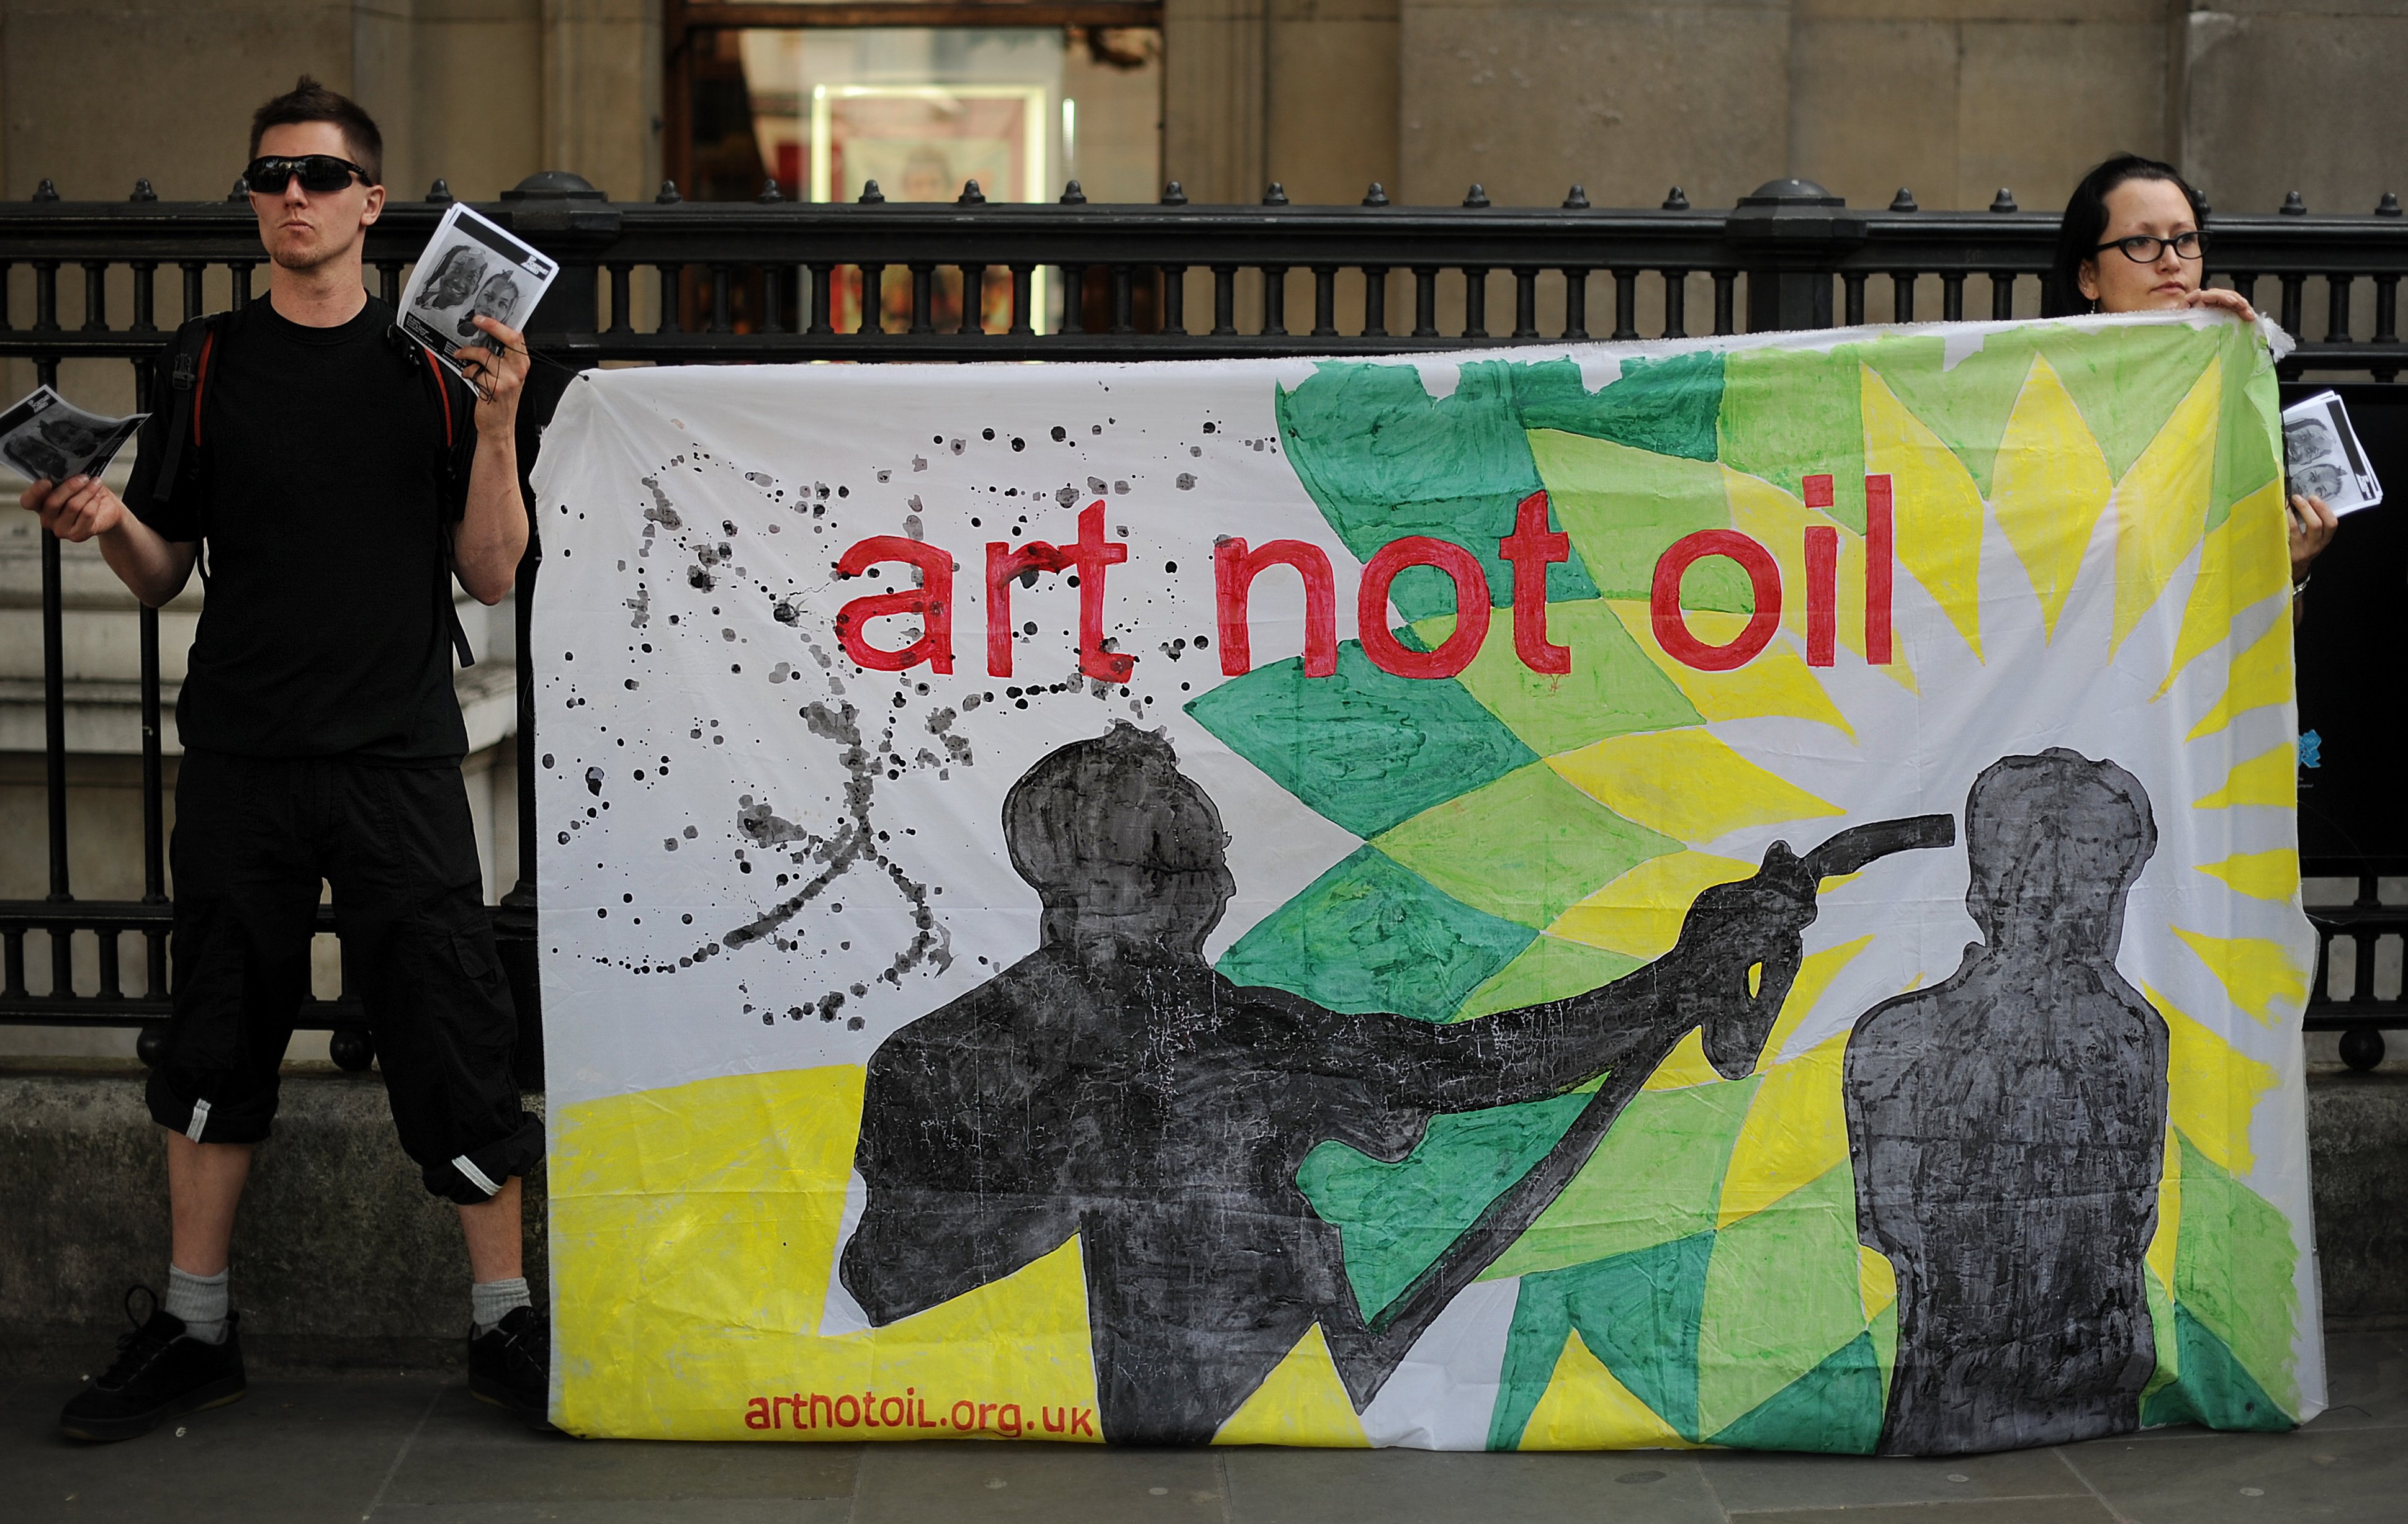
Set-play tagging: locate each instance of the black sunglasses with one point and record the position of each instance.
(320, 173)
(2141, 249)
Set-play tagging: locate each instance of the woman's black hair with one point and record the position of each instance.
(2086, 223)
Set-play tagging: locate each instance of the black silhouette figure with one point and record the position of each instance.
(2008, 1129)
(1112, 1086)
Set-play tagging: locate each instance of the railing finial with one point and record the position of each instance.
(2387, 207)
(669, 196)
(1904, 201)
(1275, 195)
(142, 191)
(971, 196)
(2293, 205)
(1576, 199)
(48, 191)
(1475, 196)
(769, 191)
(1072, 194)
(242, 190)
(1676, 200)
(1174, 194)
(2004, 201)
(440, 191)
(1377, 195)
(870, 195)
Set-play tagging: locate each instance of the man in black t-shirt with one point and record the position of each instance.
(339, 480)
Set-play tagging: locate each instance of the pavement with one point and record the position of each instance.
(412, 1447)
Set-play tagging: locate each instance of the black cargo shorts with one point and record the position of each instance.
(254, 838)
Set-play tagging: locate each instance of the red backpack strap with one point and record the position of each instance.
(442, 397)
(201, 381)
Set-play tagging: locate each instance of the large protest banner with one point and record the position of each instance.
(1740, 892)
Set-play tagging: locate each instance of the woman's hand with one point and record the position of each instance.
(2311, 526)
(2229, 301)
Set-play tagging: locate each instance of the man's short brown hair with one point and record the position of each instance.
(310, 101)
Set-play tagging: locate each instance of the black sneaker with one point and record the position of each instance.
(159, 1374)
(509, 1365)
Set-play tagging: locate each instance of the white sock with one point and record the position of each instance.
(200, 1301)
(494, 1299)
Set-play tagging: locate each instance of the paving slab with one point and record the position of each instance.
(289, 1450)
(1395, 1487)
(652, 1511)
(470, 1452)
(1753, 1481)
(2082, 1510)
(974, 1482)
(2336, 1475)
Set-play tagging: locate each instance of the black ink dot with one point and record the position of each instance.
(1018, 443)
(547, 759)
(1210, 428)
(987, 434)
(1170, 565)
(1060, 434)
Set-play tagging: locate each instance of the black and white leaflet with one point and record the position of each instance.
(2322, 457)
(44, 437)
(471, 267)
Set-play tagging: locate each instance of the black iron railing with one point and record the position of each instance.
(668, 281)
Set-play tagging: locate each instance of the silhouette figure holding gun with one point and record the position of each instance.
(1112, 1086)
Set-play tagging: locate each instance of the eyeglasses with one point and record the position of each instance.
(2141, 249)
(321, 174)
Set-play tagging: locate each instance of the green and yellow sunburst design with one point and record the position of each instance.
(2089, 553)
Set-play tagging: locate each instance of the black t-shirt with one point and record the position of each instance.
(321, 491)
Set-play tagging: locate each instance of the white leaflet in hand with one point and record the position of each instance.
(44, 437)
(471, 267)
(2322, 458)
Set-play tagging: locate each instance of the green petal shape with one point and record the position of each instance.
(2214, 1388)
(1613, 689)
(1550, 968)
(1781, 1294)
(2233, 1266)
(1382, 459)
(1788, 414)
(1396, 1220)
(1833, 1409)
(1365, 749)
(1528, 847)
(1623, 507)
(1657, 1177)
(1637, 1313)
(1668, 406)
(1369, 935)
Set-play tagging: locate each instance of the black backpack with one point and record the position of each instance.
(188, 376)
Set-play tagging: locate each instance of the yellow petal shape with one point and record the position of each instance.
(1585, 1408)
(1777, 683)
(2247, 557)
(1639, 913)
(2212, 1090)
(1302, 1401)
(1686, 784)
(1938, 509)
(1796, 1132)
(2261, 875)
(2161, 1256)
(1815, 972)
(2260, 676)
(2258, 975)
(2050, 486)
(1876, 1281)
(2271, 778)
(692, 1231)
(2161, 503)
(1686, 1066)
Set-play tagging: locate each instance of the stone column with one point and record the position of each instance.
(1213, 90)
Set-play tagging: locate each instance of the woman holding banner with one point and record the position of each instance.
(2134, 240)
